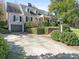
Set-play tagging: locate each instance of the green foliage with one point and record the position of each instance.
(40, 30)
(56, 36)
(36, 30)
(2, 30)
(66, 9)
(61, 5)
(31, 30)
(66, 28)
(46, 23)
(68, 38)
(1, 13)
(70, 16)
(3, 48)
(3, 27)
(30, 24)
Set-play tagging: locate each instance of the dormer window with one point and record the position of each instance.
(27, 10)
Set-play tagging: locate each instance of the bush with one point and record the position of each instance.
(3, 27)
(66, 28)
(31, 24)
(2, 30)
(3, 48)
(28, 30)
(40, 30)
(56, 36)
(68, 38)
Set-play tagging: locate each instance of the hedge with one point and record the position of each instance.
(3, 48)
(66, 28)
(39, 30)
(68, 38)
(35, 30)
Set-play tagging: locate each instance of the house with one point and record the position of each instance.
(18, 14)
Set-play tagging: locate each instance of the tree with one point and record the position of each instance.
(1, 13)
(61, 7)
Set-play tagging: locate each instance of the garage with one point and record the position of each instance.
(16, 28)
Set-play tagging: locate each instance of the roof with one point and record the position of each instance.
(31, 12)
(13, 8)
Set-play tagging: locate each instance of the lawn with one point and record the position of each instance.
(75, 31)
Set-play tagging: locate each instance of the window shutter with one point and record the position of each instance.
(20, 18)
(14, 18)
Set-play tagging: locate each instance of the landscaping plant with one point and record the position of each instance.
(68, 38)
(3, 48)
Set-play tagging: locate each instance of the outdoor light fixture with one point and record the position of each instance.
(61, 24)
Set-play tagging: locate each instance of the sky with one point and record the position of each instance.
(41, 4)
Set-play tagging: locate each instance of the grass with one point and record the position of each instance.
(76, 31)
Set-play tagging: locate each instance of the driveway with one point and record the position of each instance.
(40, 45)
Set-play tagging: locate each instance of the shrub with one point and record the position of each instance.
(66, 28)
(40, 30)
(68, 38)
(31, 24)
(2, 30)
(3, 27)
(28, 30)
(34, 30)
(3, 48)
(56, 36)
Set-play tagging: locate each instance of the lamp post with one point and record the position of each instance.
(61, 24)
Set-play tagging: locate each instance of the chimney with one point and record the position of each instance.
(29, 4)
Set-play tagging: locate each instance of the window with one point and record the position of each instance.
(14, 18)
(31, 18)
(26, 19)
(20, 18)
(36, 12)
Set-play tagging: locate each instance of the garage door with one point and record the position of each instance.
(16, 28)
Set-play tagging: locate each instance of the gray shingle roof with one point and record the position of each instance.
(13, 8)
(31, 11)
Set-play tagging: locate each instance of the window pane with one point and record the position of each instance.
(31, 18)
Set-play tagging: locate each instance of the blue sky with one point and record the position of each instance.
(41, 4)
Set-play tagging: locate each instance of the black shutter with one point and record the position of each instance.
(14, 18)
(20, 18)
